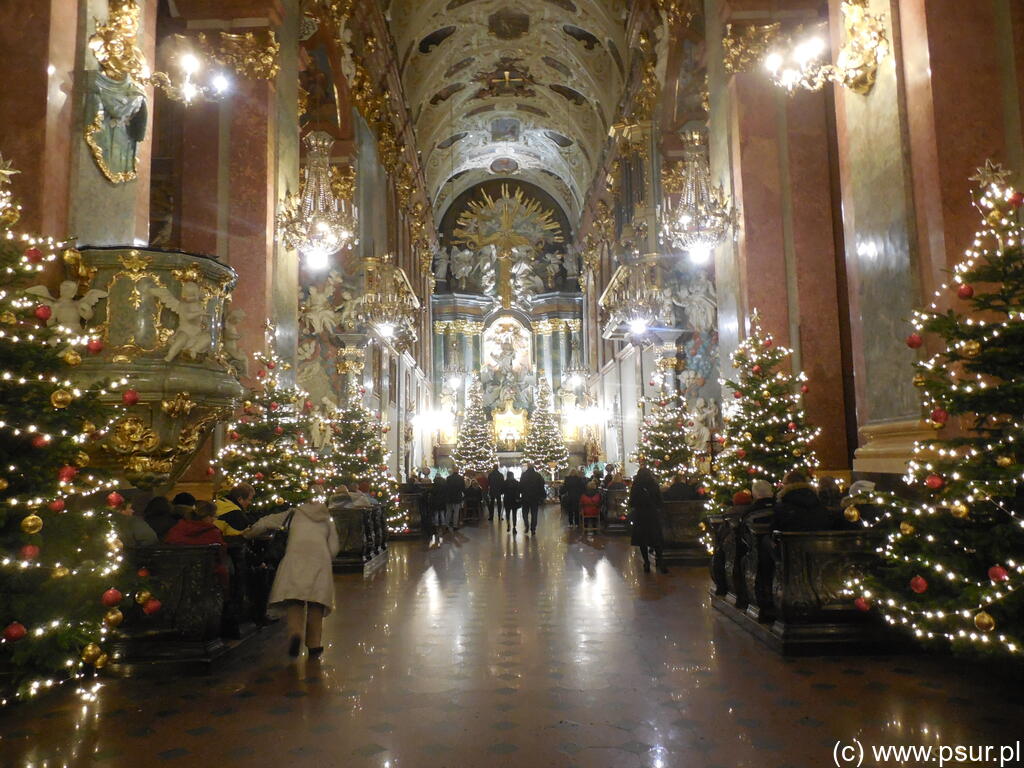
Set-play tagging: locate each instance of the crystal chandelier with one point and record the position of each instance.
(316, 223)
(633, 300)
(389, 302)
(700, 220)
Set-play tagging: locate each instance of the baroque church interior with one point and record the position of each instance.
(554, 382)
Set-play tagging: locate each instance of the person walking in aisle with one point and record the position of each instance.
(645, 502)
(438, 500)
(495, 491)
(572, 489)
(510, 492)
(304, 583)
(455, 487)
(533, 492)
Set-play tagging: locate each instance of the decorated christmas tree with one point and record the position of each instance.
(663, 447)
(766, 434)
(269, 445)
(953, 561)
(359, 455)
(544, 444)
(475, 450)
(60, 556)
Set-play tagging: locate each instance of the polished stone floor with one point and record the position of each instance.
(492, 651)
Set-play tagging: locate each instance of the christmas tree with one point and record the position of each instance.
(544, 445)
(663, 447)
(359, 455)
(269, 446)
(475, 450)
(60, 555)
(952, 573)
(766, 434)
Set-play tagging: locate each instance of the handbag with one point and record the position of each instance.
(274, 548)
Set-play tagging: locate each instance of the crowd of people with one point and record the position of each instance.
(800, 506)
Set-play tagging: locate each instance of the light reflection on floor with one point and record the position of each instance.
(493, 651)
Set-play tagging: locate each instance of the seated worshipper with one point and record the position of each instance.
(617, 483)
(133, 529)
(232, 510)
(680, 490)
(762, 500)
(829, 494)
(160, 515)
(858, 498)
(198, 529)
(183, 504)
(798, 507)
(590, 506)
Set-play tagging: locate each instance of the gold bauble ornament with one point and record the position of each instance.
(919, 380)
(61, 398)
(1004, 461)
(906, 528)
(4, 485)
(91, 652)
(8, 318)
(143, 597)
(113, 617)
(971, 348)
(852, 514)
(797, 452)
(60, 572)
(31, 524)
(115, 544)
(995, 218)
(71, 357)
(101, 661)
(702, 525)
(81, 459)
(769, 439)
(984, 621)
(747, 436)
(959, 511)
(666, 457)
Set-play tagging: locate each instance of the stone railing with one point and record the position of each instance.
(362, 534)
(411, 512)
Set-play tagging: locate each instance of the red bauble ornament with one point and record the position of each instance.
(301, 440)
(940, 415)
(43, 312)
(234, 435)
(130, 396)
(657, 462)
(274, 406)
(14, 632)
(1016, 199)
(914, 340)
(210, 471)
(57, 505)
(314, 460)
(29, 552)
(271, 365)
(278, 430)
(919, 585)
(804, 388)
(95, 346)
(39, 441)
(701, 491)
(319, 481)
(756, 369)
(111, 597)
(862, 604)
(362, 390)
(151, 606)
(742, 498)
(67, 473)
(143, 573)
(737, 395)
(965, 291)
(258, 475)
(751, 471)
(260, 374)
(998, 573)
(114, 499)
(33, 255)
(768, 342)
(308, 405)
(791, 426)
(934, 482)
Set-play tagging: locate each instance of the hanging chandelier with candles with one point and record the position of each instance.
(389, 303)
(701, 218)
(316, 222)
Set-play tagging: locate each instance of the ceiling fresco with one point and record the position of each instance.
(521, 90)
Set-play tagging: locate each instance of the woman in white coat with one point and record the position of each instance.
(305, 580)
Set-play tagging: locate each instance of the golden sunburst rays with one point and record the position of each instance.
(488, 221)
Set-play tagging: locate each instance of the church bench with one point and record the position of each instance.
(362, 535)
(411, 523)
(680, 524)
(615, 519)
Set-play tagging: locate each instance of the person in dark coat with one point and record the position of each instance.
(495, 492)
(455, 487)
(572, 489)
(799, 508)
(160, 516)
(474, 496)
(645, 503)
(531, 487)
(511, 496)
(763, 500)
(680, 490)
(438, 503)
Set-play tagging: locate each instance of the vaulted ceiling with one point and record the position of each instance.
(501, 89)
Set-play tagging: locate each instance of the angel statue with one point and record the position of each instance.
(232, 335)
(66, 309)
(463, 263)
(318, 314)
(697, 298)
(703, 419)
(192, 334)
(552, 265)
(441, 266)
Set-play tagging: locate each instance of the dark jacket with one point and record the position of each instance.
(455, 487)
(799, 509)
(511, 492)
(572, 488)
(438, 494)
(531, 486)
(495, 483)
(645, 501)
(232, 515)
(681, 492)
(160, 516)
(761, 506)
(473, 496)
